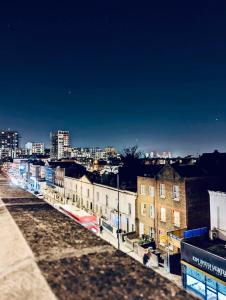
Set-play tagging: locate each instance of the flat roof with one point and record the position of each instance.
(216, 246)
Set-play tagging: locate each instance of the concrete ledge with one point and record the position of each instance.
(20, 277)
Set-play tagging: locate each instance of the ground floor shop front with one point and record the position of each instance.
(202, 284)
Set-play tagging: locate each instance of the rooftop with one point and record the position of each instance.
(188, 171)
(216, 246)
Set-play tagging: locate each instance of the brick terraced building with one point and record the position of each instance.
(173, 198)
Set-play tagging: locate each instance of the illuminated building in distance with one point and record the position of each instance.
(60, 143)
(9, 143)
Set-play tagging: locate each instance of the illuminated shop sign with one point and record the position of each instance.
(205, 265)
(204, 260)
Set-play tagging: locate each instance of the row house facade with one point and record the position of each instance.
(173, 199)
(36, 176)
(102, 200)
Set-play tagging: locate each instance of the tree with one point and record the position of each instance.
(132, 166)
(130, 155)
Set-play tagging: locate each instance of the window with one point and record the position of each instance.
(142, 189)
(152, 211)
(98, 195)
(152, 232)
(151, 191)
(106, 200)
(162, 190)
(129, 209)
(163, 214)
(96, 208)
(176, 217)
(175, 192)
(221, 291)
(143, 209)
(195, 285)
(87, 193)
(221, 296)
(141, 229)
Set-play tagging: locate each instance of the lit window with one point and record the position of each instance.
(162, 190)
(151, 191)
(176, 217)
(143, 209)
(175, 192)
(195, 285)
(142, 189)
(152, 232)
(152, 211)
(163, 214)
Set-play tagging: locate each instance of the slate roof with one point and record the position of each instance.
(187, 171)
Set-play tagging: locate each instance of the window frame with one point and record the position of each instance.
(142, 190)
(151, 191)
(176, 213)
(143, 208)
(176, 193)
(161, 214)
(152, 210)
(162, 188)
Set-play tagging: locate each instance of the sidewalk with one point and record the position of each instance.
(107, 236)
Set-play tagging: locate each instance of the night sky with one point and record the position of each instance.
(120, 73)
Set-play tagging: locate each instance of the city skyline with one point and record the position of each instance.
(143, 151)
(116, 74)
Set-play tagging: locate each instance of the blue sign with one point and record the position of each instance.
(196, 232)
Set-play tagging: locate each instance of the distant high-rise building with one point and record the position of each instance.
(60, 143)
(38, 148)
(9, 143)
(28, 147)
(35, 148)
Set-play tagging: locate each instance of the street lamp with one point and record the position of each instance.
(119, 223)
(118, 209)
(118, 231)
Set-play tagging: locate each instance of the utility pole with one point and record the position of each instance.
(118, 234)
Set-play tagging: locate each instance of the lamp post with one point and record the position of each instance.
(118, 236)
(118, 209)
